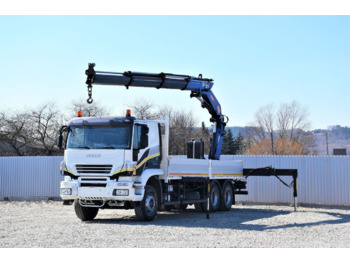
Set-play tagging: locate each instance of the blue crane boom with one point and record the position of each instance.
(199, 87)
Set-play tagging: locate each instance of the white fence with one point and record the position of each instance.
(30, 177)
(321, 179)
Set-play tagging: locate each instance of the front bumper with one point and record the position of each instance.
(135, 192)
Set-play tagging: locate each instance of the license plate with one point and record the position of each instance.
(87, 192)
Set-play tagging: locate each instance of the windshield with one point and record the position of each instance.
(100, 137)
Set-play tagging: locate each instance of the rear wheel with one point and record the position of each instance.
(214, 202)
(85, 213)
(215, 196)
(227, 197)
(148, 207)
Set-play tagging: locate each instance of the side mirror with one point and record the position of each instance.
(59, 141)
(144, 136)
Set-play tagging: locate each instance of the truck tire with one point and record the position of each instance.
(85, 213)
(215, 199)
(215, 196)
(148, 207)
(227, 196)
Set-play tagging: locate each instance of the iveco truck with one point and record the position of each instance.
(123, 163)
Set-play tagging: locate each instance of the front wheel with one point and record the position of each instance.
(148, 207)
(85, 213)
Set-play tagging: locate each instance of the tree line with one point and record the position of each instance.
(33, 132)
(274, 130)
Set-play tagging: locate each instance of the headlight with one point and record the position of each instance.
(66, 191)
(121, 192)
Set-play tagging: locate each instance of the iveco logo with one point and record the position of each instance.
(93, 155)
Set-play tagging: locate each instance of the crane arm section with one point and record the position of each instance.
(199, 87)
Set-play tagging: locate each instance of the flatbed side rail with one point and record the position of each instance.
(270, 171)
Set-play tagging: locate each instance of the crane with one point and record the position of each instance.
(123, 162)
(199, 87)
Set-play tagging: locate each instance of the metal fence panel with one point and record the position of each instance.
(321, 179)
(30, 176)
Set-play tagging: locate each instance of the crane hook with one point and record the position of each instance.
(89, 100)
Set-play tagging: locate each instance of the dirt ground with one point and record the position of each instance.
(49, 224)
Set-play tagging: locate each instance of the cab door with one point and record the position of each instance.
(140, 146)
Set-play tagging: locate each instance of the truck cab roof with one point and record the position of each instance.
(106, 121)
(101, 121)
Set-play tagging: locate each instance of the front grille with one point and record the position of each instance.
(92, 185)
(96, 169)
(93, 182)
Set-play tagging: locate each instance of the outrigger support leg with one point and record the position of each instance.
(208, 197)
(269, 171)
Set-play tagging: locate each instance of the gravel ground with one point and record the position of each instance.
(50, 224)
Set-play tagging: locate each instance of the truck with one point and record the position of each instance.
(124, 163)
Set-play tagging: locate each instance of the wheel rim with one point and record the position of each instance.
(214, 197)
(150, 204)
(228, 197)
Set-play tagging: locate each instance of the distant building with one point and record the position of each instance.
(339, 151)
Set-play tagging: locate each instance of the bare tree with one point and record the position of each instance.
(16, 134)
(282, 147)
(182, 127)
(164, 111)
(263, 128)
(143, 109)
(265, 119)
(182, 130)
(181, 124)
(45, 121)
(292, 121)
(287, 123)
(283, 120)
(88, 110)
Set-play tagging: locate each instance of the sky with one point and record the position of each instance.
(254, 61)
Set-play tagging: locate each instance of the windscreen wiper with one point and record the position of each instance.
(86, 147)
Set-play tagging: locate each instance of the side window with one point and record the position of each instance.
(140, 139)
(137, 136)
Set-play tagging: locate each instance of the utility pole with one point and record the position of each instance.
(327, 142)
(272, 143)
